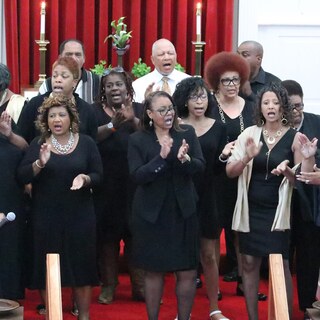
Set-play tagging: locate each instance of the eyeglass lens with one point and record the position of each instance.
(228, 81)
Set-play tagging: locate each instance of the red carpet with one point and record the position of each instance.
(123, 308)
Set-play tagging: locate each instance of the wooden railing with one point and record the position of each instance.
(278, 303)
(54, 300)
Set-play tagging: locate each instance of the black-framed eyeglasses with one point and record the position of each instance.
(202, 97)
(164, 111)
(227, 81)
(298, 106)
(107, 71)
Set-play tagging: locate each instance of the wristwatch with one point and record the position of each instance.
(110, 126)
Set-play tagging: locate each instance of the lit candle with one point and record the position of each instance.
(198, 22)
(43, 20)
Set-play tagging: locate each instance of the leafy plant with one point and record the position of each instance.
(179, 67)
(140, 69)
(120, 38)
(100, 67)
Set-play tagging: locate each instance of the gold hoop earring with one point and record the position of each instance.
(284, 121)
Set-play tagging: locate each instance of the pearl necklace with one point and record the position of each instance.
(272, 139)
(63, 149)
(4, 96)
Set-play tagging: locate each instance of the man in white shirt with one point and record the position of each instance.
(164, 77)
(88, 85)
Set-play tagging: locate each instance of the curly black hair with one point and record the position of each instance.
(283, 98)
(125, 76)
(186, 88)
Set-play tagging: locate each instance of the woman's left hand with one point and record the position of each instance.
(310, 177)
(80, 181)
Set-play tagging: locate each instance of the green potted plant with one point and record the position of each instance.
(140, 69)
(120, 38)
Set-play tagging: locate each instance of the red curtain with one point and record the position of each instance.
(89, 21)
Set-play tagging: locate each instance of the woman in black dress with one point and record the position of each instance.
(261, 158)
(163, 157)
(62, 166)
(12, 234)
(194, 102)
(227, 73)
(117, 117)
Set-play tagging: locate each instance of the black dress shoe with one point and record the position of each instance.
(231, 276)
(261, 296)
(199, 283)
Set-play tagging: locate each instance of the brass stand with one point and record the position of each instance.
(42, 48)
(198, 50)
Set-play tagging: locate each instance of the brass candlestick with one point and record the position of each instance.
(42, 48)
(198, 50)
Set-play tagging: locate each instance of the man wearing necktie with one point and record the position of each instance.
(164, 76)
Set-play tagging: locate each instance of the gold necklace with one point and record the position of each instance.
(272, 139)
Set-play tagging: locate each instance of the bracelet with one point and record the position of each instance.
(38, 165)
(223, 160)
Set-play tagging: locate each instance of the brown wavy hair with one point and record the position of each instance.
(222, 62)
(58, 100)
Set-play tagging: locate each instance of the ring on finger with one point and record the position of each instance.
(307, 181)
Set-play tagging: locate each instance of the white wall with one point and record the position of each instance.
(3, 56)
(289, 31)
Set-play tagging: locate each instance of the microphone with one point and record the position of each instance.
(10, 217)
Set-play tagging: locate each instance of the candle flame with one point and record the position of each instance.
(199, 5)
(43, 5)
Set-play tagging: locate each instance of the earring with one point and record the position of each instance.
(150, 123)
(186, 105)
(261, 122)
(49, 130)
(284, 121)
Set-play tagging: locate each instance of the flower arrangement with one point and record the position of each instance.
(121, 37)
(140, 69)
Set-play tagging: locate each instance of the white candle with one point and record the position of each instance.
(43, 18)
(198, 22)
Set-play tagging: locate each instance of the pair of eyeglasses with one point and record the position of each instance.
(227, 81)
(163, 112)
(298, 106)
(107, 71)
(195, 98)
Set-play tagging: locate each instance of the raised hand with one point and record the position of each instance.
(150, 89)
(45, 153)
(308, 148)
(281, 168)
(252, 149)
(166, 145)
(5, 124)
(183, 151)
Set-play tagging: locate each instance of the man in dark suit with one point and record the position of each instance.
(252, 51)
(305, 233)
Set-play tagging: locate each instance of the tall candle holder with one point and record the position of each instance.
(198, 50)
(42, 49)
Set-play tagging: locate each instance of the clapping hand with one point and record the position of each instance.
(45, 153)
(281, 168)
(150, 89)
(5, 124)
(183, 151)
(79, 181)
(308, 148)
(166, 145)
(252, 149)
